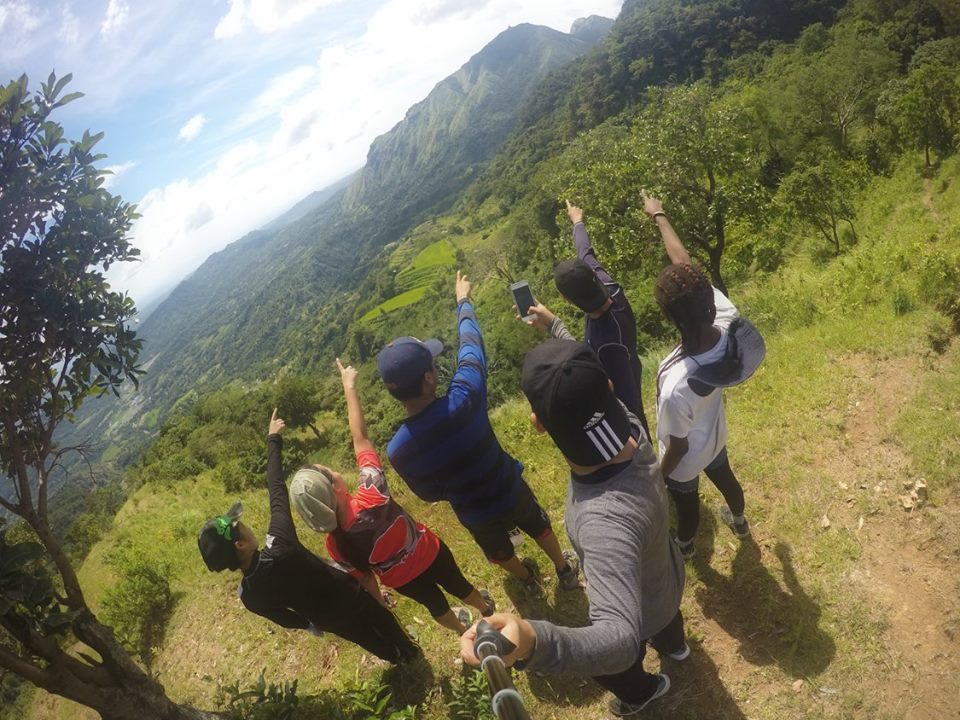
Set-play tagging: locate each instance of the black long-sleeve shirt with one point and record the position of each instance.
(286, 583)
(613, 335)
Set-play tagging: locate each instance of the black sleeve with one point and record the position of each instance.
(281, 534)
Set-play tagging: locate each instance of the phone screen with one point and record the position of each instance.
(522, 298)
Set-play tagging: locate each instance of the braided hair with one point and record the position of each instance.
(685, 295)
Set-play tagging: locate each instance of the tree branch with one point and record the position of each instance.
(25, 669)
(15, 509)
(24, 495)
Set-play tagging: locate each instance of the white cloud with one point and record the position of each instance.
(18, 21)
(326, 114)
(193, 127)
(117, 170)
(117, 13)
(69, 26)
(265, 16)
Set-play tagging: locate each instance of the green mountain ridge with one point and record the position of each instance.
(244, 310)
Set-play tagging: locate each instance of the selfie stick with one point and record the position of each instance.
(490, 646)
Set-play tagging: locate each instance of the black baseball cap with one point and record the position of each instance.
(569, 391)
(404, 360)
(217, 537)
(577, 282)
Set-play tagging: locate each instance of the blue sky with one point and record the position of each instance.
(221, 114)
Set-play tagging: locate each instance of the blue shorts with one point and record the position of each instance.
(689, 486)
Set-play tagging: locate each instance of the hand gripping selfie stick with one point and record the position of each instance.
(490, 646)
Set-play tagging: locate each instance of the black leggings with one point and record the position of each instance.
(425, 587)
(374, 628)
(688, 503)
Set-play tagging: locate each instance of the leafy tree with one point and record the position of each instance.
(925, 106)
(832, 93)
(699, 155)
(65, 336)
(299, 399)
(824, 195)
(692, 150)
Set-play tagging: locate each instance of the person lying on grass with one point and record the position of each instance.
(616, 517)
(286, 583)
(372, 537)
(445, 449)
(717, 349)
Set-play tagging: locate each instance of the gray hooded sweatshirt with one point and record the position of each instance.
(617, 522)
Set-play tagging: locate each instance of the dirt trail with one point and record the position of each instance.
(909, 558)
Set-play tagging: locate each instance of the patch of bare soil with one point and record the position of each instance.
(909, 559)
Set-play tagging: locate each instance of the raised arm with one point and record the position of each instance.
(281, 530)
(470, 378)
(358, 428)
(671, 241)
(585, 252)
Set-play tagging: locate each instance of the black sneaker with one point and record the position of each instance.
(491, 604)
(569, 578)
(532, 583)
(740, 529)
(686, 548)
(463, 615)
(680, 654)
(624, 709)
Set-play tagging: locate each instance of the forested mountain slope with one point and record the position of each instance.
(266, 297)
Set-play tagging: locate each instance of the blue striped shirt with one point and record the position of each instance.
(448, 450)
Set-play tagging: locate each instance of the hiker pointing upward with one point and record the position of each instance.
(372, 536)
(287, 584)
(445, 449)
(610, 327)
(717, 349)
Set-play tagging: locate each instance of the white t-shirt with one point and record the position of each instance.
(684, 414)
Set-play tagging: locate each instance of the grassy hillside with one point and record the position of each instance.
(860, 394)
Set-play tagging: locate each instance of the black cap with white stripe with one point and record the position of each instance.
(569, 391)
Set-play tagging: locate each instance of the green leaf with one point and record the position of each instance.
(16, 556)
(61, 83)
(69, 98)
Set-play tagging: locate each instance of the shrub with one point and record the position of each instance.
(471, 698)
(260, 701)
(139, 604)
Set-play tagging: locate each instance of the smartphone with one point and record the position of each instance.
(522, 298)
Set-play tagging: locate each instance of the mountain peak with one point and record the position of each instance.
(591, 29)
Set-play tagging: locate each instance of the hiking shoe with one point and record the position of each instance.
(740, 529)
(687, 550)
(624, 709)
(569, 579)
(463, 615)
(491, 604)
(532, 583)
(681, 654)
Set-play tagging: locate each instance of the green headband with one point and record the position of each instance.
(224, 526)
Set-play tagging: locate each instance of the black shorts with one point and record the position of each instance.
(493, 536)
(443, 572)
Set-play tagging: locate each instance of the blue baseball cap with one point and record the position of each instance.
(404, 360)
